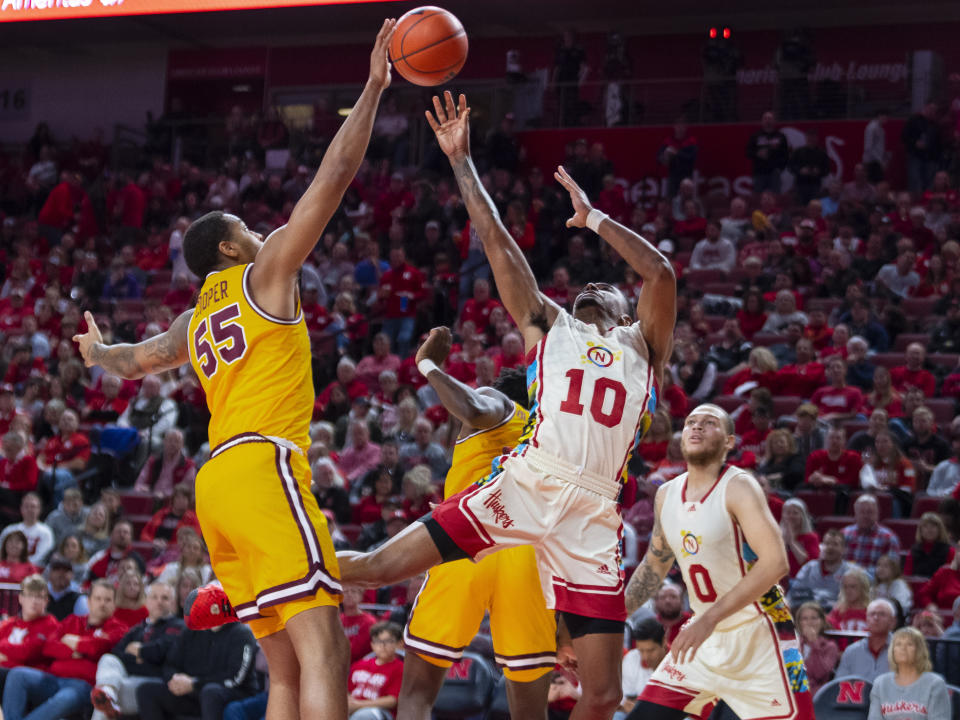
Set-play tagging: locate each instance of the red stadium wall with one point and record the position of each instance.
(722, 165)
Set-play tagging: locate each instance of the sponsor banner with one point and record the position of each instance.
(722, 164)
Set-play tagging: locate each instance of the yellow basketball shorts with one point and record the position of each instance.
(268, 541)
(452, 602)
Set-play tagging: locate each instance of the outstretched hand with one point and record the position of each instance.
(437, 346)
(581, 205)
(88, 339)
(380, 58)
(451, 124)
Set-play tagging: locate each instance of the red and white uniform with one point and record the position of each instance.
(592, 393)
(752, 659)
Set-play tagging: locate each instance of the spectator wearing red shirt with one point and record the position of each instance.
(668, 605)
(799, 538)
(755, 439)
(511, 352)
(73, 651)
(68, 206)
(817, 329)
(13, 310)
(395, 197)
(559, 291)
(834, 465)
(693, 226)
(520, 229)
(106, 563)
(803, 377)
(347, 382)
(62, 455)
(370, 367)
(753, 316)
(478, 308)
(23, 637)
(315, 314)
(375, 682)
(155, 255)
(912, 374)
(15, 562)
(166, 522)
(463, 365)
(401, 288)
(356, 623)
(18, 474)
(943, 588)
(22, 366)
(761, 370)
(181, 293)
(107, 404)
(8, 408)
(127, 204)
(838, 401)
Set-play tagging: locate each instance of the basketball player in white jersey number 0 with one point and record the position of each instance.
(741, 645)
(592, 378)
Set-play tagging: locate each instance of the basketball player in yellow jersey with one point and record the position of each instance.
(451, 605)
(247, 340)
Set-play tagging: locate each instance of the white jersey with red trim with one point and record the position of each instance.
(592, 394)
(710, 548)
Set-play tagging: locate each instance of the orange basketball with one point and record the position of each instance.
(429, 46)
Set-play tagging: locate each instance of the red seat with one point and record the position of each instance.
(904, 529)
(765, 339)
(729, 402)
(139, 522)
(942, 409)
(144, 548)
(716, 322)
(828, 305)
(904, 339)
(919, 307)
(820, 502)
(944, 360)
(137, 503)
(831, 522)
(924, 504)
(888, 359)
(351, 532)
(915, 581)
(725, 288)
(785, 405)
(698, 278)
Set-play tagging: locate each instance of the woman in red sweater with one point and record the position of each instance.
(942, 589)
(799, 538)
(130, 599)
(14, 562)
(752, 317)
(850, 612)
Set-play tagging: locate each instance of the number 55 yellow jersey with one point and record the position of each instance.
(254, 367)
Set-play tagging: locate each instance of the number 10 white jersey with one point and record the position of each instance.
(592, 394)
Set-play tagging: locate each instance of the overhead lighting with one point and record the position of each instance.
(344, 112)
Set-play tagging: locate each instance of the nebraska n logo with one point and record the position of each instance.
(850, 692)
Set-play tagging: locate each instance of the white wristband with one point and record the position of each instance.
(594, 218)
(426, 365)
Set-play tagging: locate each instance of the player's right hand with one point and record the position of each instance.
(88, 339)
(451, 124)
(581, 205)
(437, 346)
(379, 58)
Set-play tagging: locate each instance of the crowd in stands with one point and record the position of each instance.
(825, 318)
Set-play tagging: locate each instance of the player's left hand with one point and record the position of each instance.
(88, 339)
(581, 205)
(379, 58)
(691, 637)
(437, 346)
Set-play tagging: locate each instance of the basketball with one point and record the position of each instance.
(429, 46)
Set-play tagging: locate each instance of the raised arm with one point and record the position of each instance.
(530, 309)
(476, 408)
(748, 506)
(279, 260)
(657, 304)
(655, 565)
(165, 351)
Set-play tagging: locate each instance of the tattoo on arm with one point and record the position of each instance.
(120, 360)
(647, 578)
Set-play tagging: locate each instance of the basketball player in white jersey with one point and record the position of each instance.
(592, 378)
(741, 645)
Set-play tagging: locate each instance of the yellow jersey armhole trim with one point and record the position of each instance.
(248, 296)
(500, 424)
